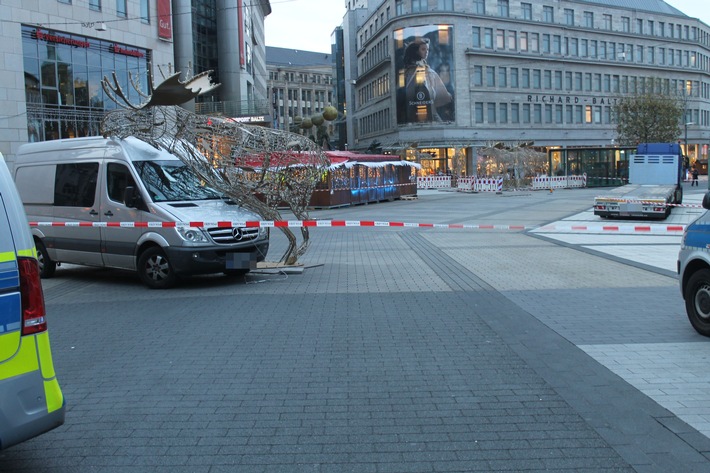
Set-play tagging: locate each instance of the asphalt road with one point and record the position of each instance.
(393, 350)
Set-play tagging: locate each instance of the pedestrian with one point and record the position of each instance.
(694, 173)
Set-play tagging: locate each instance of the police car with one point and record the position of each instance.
(694, 270)
(31, 401)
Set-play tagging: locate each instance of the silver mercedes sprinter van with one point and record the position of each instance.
(92, 180)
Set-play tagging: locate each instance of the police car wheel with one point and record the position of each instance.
(697, 301)
(155, 269)
(46, 265)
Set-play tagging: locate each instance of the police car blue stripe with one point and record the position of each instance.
(9, 275)
(10, 306)
(698, 236)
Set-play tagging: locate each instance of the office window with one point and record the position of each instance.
(526, 10)
(578, 114)
(500, 39)
(502, 77)
(526, 113)
(588, 114)
(569, 114)
(523, 41)
(607, 21)
(121, 8)
(547, 80)
(558, 80)
(536, 79)
(446, 4)
(583, 48)
(490, 76)
(488, 38)
(593, 48)
(661, 28)
(476, 37)
(514, 113)
(651, 27)
(399, 7)
(661, 56)
(546, 43)
(503, 8)
(526, 79)
(578, 81)
(478, 76)
(535, 42)
(503, 113)
(588, 81)
(479, 7)
(548, 113)
(95, 5)
(478, 112)
(548, 14)
(606, 84)
(145, 12)
(514, 78)
(589, 19)
(639, 26)
(625, 24)
(537, 113)
(573, 47)
(615, 83)
(568, 81)
(419, 6)
(597, 82)
(491, 113)
(556, 44)
(558, 113)
(569, 16)
(512, 40)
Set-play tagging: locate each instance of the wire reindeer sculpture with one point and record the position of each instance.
(260, 169)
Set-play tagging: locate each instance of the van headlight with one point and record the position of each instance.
(192, 235)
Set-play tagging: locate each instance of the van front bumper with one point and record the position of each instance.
(215, 259)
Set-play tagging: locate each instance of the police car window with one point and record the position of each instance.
(118, 177)
(75, 184)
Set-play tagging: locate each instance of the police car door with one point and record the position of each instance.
(10, 302)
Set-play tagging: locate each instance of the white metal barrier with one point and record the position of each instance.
(559, 182)
(482, 184)
(433, 182)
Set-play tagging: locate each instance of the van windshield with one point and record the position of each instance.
(171, 180)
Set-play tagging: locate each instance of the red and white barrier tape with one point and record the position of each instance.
(656, 228)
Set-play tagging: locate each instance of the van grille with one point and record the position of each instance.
(228, 236)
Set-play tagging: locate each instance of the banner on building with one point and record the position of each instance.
(165, 20)
(425, 74)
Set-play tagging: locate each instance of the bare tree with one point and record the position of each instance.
(651, 116)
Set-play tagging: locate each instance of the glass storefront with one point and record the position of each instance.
(603, 166)
(63, 74)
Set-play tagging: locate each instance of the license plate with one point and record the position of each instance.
(240, 261)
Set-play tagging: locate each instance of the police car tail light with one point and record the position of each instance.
(33, 313)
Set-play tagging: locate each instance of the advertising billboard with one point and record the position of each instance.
(424, 78)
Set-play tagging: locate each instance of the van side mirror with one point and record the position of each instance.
(706, 201)
(130, 196)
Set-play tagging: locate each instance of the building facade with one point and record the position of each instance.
(435, 77)
(227, 37)
(55, 53)
(300, 85)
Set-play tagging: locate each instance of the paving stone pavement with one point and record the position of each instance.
(396, 350)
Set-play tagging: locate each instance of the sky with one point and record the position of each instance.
(308, 24)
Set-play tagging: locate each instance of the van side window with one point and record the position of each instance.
(118, 177)
(75, 184)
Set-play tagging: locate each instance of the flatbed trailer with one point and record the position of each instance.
(654, 185)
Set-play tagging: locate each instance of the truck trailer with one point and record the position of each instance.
(655, 184)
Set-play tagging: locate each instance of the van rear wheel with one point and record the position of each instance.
(46, 265)
(155, 269)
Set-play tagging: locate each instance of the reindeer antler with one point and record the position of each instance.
(172, 91)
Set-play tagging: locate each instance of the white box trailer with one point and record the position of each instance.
(654, 184)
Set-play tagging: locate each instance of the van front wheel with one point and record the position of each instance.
(46, 265)
(155, 269)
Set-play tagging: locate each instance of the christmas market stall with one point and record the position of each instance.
(355, 178)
